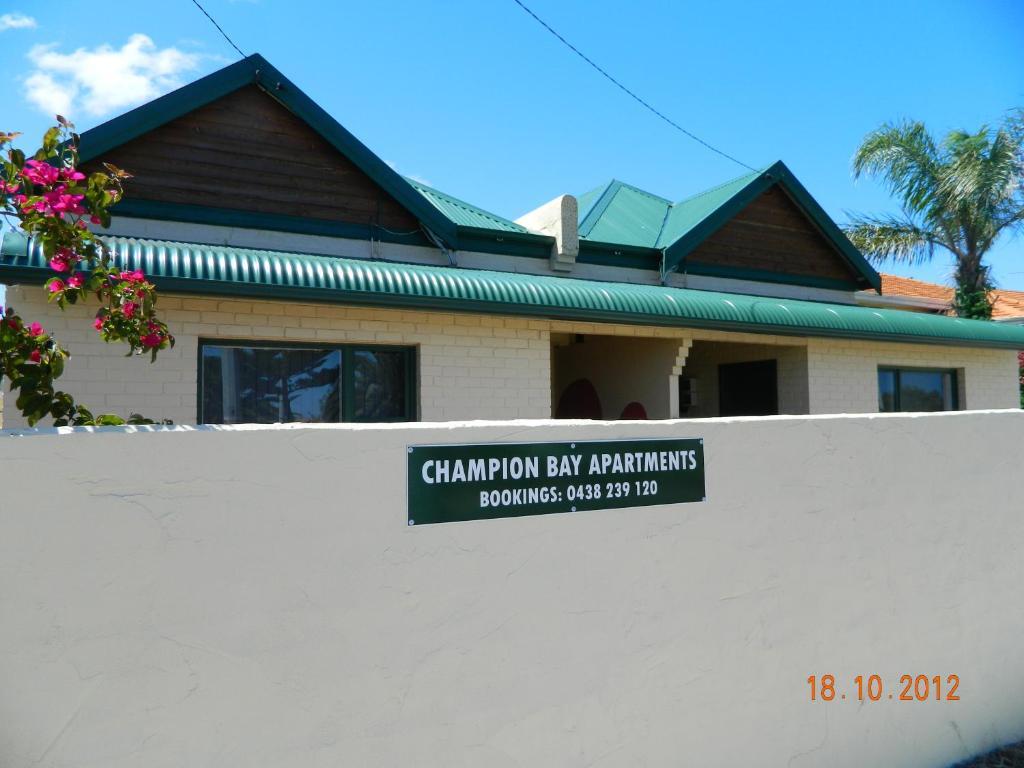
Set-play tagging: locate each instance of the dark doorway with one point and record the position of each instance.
(748, 389)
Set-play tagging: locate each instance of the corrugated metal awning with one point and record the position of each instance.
(229, 271)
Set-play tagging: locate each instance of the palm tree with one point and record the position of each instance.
(960, 194)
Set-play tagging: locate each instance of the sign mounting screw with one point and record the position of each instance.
(572, 509)
(412, 522)
(410, 449)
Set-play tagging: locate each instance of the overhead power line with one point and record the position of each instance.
(214, 22)
(630, 93)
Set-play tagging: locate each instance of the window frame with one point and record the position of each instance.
(954, 377)
(347, 390)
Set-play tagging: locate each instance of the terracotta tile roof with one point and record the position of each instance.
(1005, 303)
(893, 285)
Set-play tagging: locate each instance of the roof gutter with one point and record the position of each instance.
(898, 302)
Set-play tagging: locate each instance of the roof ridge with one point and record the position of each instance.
(420, 186)
(644, 192)
(598, 207)
(598, 194)
(751, 175)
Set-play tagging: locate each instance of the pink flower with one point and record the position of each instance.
(95, 220)
(34, 355)
(36, 205)
(55, 286)
(70, 174)
(58, 201)
(35, 330)
(129, 308)
(64, 259)
(133, 277)
(98, 323)
(151, 340)
(75, 281)
(40, 173)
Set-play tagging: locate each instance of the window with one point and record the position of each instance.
(246, 383)
(917, 389)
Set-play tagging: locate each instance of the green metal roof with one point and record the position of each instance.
(193, 268)
(614, 218)
(624, 215)
(462, 213)
(457, 223)
(255, 70)
(688, 213)
(621, 214)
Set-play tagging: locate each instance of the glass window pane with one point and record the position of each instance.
(886, 391)
(924, 391)
(259, 385)
(380, 379)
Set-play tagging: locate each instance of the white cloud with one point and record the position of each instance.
(413, 176)
(421, 180)
(16, 21)
(103, 79)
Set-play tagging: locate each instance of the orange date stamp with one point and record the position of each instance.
(873, 688)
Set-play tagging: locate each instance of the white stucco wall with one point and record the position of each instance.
(254, 597)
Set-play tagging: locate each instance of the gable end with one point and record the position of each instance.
(772, 237)
(246, 152)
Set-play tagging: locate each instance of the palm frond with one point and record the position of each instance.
(983, 171)
(906, 158)
(892, 237)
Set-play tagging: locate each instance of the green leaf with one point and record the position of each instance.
(108, 420)
(50, 140)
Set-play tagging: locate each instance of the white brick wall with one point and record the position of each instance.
(470, 366)
(843, 375)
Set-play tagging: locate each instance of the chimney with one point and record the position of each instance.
(558, 219)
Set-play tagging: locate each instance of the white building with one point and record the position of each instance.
(305, 280)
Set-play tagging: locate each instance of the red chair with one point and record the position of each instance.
(634, 412)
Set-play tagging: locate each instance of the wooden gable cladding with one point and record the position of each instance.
(772, 234)
(246, 152)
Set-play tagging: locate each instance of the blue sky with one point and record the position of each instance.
(476, 99)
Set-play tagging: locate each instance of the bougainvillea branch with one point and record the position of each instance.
(53, 202)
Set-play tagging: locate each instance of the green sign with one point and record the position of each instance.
(449, 483)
